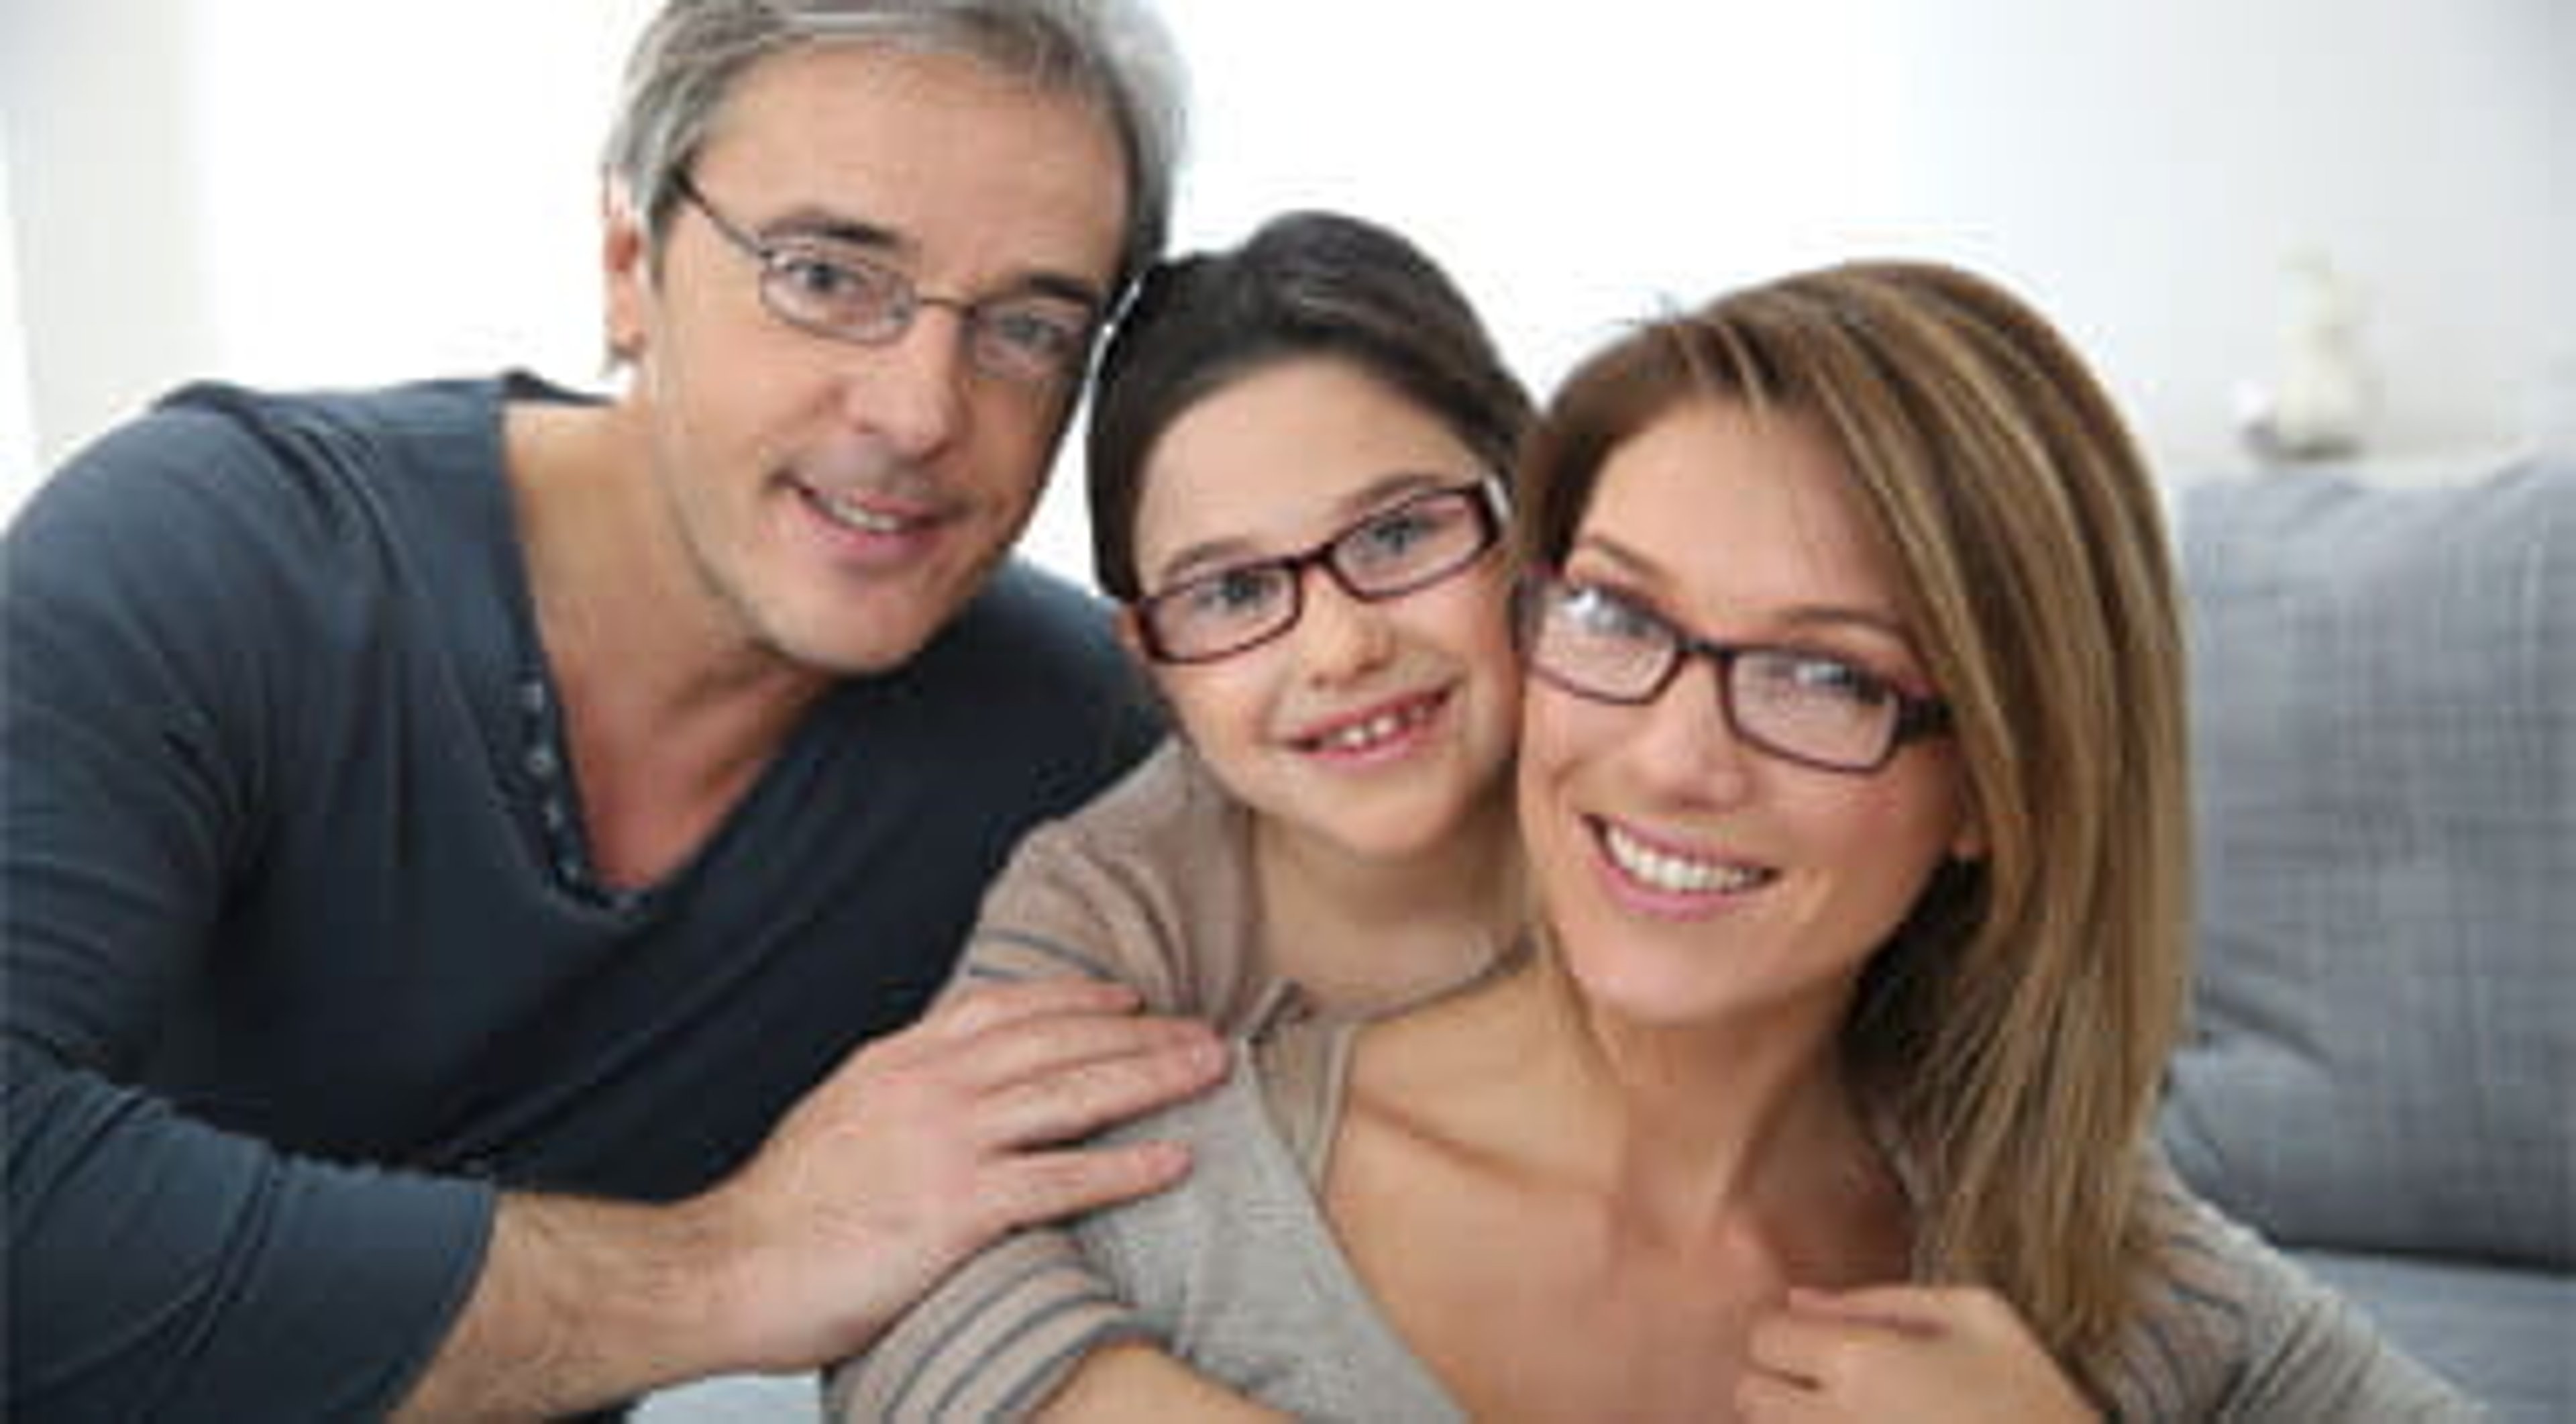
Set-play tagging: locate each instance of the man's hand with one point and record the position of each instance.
(1903, 1352)
(927, 1145)
(917, 1151)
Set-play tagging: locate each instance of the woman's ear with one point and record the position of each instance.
(1968, 845)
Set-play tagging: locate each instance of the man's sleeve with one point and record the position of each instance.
(159, 1267)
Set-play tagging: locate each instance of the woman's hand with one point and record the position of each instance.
(1924, 1354)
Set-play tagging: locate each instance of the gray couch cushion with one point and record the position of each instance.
(2499, 1332)
(2384, 722)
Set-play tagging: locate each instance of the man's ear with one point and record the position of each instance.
(626, 268)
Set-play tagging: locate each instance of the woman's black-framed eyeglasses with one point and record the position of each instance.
(1802, 706)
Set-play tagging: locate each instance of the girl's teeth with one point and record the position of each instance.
(1674, 875)
(1365, 734)
(1360, 736)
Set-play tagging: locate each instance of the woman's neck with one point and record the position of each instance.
(1690, 1126)
(1362, 934)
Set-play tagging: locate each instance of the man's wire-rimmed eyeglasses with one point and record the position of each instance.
(825, 287)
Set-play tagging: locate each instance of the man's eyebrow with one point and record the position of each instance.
(820, 225)
(842, 230)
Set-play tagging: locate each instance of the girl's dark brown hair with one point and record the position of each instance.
(1306, 285)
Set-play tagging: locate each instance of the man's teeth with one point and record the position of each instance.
(851, 514)
(1673, 874)
(1384, 727)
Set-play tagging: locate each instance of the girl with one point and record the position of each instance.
(1296, 458)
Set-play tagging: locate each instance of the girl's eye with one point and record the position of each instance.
(1234, 591)
(1394, 533)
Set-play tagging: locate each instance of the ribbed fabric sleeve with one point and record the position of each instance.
(2232, 1329)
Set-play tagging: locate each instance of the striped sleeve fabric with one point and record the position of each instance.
(992, 1343)
(2230, 1328)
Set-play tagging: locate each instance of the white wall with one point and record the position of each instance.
(341, 191)
(106, 272)
(17, 415)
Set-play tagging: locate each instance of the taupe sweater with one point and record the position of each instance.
(1151, 884)
(1237, 1272)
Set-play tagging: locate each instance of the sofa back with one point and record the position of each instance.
(2383, 712)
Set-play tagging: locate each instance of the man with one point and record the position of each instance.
(447, 827)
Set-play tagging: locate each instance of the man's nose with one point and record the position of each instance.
(911, 391)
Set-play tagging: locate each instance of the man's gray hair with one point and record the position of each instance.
(1113, 54)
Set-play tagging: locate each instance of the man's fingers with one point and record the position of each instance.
(1073, 1100)
(1043, 1186)
(1044, 1047)
(995, 1003)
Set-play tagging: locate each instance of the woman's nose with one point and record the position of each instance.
(1688, 743)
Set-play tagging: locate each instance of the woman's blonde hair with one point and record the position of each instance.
(2015, 1028)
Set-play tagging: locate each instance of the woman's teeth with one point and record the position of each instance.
(1673, 874)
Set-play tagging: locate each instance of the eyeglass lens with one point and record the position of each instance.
(1810, 708)
(829, 290)
(1392, 552)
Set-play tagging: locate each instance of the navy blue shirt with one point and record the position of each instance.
(303, 955)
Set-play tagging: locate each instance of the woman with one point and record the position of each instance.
(1296, 456)
(1852, 784)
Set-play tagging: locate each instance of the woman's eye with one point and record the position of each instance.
(1604, 614)
(1832, 679)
